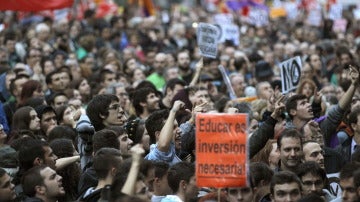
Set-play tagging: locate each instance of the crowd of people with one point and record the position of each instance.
(104, 109)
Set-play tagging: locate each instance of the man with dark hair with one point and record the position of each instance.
(104, 111)
(36, 152)
(101, 139)
(290, 147)
(107, 77)
(300, 110)
(285, 186)
(55, 82)
(42, 184)
(160, 183)
(172, 87)
(57, 100)
(106, 163)
(348, 184)
(235, 194)
(145, 102)
(314, 180)
(7, 188)
(349, 146)
(105, 138)
(181, 179)
(183, 61)
(260, 177)
(163, 128)
(47, 116)
(15, 88)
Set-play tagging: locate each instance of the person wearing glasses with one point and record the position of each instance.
(313, 179)
(104, 111)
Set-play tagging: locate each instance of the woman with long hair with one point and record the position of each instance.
(25, 119)
(269, 154)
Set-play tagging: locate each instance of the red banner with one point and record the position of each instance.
(34, 5)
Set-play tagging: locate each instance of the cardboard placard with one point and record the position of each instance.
(229, 32)
(290, 73)
(335, 12)
(221, 150)
(207, 39)
(258, 17)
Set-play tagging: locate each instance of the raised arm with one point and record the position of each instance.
(167, 132)
(199, 65)
(136, 153)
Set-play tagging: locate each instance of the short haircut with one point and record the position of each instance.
(311, 167)
(31, 179)
(103, 73)
(139, 96)
(161, 168)
(180, 171)
(353, 116)
(104, 160)
(259, 172)
(291, 103)
(12, 82)
(155, 122)
(48, 78)
(99, 106)
(42, 109)
(347, 171)
(31, 150)
(289, 133)
(62, 132)
(173, 82)
(51, 99)
(284, 177)
(105, 138)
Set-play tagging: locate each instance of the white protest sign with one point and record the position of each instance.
(223, 18)
(290, 74)
(335, 11)
(207, 39)
(258, 17)
(339, 25)
(229, 32)
(291, 10)
(356, 13)
(314, 17)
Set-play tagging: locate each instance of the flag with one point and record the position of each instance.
(149, 8)
(34, 5)
(244, 6)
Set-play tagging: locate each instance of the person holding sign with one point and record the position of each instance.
(300, 111)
